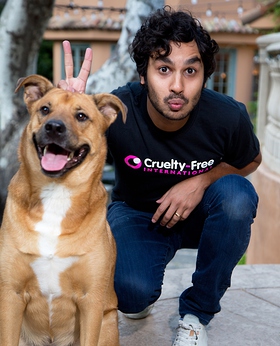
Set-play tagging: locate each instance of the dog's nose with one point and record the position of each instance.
(55, 128)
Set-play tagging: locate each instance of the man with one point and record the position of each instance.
(180, 162)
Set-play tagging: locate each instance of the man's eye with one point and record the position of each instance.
(164, 69)
(190, 70)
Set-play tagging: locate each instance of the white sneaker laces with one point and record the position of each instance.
(187, 334)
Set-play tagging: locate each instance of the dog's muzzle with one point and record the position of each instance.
(56, 154)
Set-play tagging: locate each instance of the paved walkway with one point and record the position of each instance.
(250, 313)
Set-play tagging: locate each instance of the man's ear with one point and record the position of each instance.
(142, 80)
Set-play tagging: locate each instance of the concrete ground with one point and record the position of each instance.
(250, 308)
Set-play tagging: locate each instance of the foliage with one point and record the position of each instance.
(45, 60)
(242, 260)
(252, 110)
(2, 5)
(276, 10)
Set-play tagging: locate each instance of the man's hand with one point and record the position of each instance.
(178, 202)
(77, 84)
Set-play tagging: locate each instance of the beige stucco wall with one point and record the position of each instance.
(244, 73)
(56, 58)
(264, 246)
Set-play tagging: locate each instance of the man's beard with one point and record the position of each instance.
(156, 104)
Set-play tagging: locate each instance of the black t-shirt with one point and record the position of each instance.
(149, 161)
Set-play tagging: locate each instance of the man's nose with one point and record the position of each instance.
(177, 85)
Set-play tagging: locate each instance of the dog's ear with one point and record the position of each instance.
(35, 87)
(110, 105)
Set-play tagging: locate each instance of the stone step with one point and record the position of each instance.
(249, 317)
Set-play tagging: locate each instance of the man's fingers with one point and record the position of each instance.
(86, 66)
(75, 84)
(62, 85)
(68, 59)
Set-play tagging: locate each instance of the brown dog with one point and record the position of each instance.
(57, 253)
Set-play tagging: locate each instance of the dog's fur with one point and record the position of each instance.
(57, 253)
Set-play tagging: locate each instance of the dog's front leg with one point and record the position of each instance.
(11, 312)
(90, 322)
(98, 329)
(109, 335)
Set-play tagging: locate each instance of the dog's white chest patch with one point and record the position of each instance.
(56, 201)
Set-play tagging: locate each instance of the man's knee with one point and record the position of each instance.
(236, 196)
(135, 295)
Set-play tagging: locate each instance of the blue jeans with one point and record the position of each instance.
(219, 228)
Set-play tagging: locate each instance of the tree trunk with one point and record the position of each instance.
(22, 25)
(120, 69)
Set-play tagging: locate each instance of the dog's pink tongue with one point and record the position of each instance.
(52, 162)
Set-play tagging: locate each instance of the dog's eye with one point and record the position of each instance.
(81, 117)
(45, 110)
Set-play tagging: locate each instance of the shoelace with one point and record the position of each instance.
(187, 334)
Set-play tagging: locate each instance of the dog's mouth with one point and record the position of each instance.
(56, 160)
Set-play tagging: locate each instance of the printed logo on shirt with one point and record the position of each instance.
(133, 161)
(169, 167)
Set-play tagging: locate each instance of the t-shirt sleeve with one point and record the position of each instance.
(243, 146)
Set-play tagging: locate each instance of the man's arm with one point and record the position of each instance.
(223, 169)
(183, 197)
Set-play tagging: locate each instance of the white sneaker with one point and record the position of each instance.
(190, 332)
(141, 314)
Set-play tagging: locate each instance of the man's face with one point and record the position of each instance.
(174, 85)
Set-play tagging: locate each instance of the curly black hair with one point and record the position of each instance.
(167, 25)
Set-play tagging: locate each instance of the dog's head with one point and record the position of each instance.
(66, 128)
